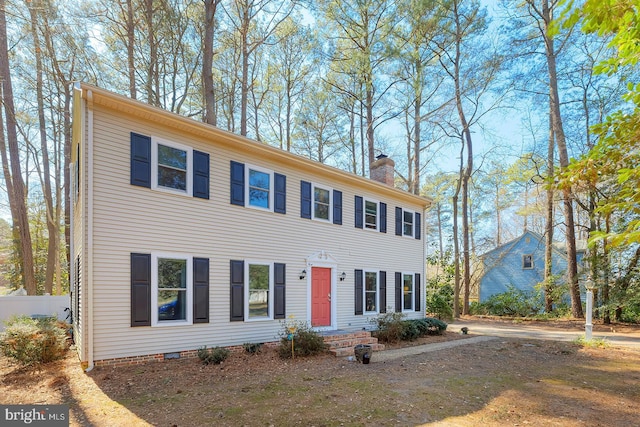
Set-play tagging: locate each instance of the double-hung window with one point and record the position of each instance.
(258, 291)
(371, 291)
(407, 291)
(172, 167)
(171, 291)
(527, 262)
(370, 214)
(260, 188)
(407, 223)
(322, 203)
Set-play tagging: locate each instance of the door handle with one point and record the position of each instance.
(329, 297)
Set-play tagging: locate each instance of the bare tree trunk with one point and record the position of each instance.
(210, 7)
(15, 183)
(152, 70)
(606, 318)
(131, 40)
(417, 120)
(45, 173)
(548, 244)
(456, 244)
(558, 130)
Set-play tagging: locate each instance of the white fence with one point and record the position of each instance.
(33, 305)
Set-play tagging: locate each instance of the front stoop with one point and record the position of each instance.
(341, 343)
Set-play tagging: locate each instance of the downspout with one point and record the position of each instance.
(89, 282)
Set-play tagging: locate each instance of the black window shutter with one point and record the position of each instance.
(358, 209)
(200, 174)
(417, 292)
(279, 282)
(280, 193)
(383, 291)
(237, 290)
(337, 207)
(383, 217)
(201, 290)
(398, 292)
(140, 289)
(305, 199)
(417, 226)
(399, 221)
(140, 160)
(358, 291)
(237, 183)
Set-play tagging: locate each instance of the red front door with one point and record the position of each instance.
(320, 296)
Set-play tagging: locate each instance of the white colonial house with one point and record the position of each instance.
(185, 235)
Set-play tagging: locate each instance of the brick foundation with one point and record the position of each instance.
(160, 357)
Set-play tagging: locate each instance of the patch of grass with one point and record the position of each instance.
(592, 343)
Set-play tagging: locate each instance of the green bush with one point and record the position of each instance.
(393, 328)
(389, 327)
(215, 355)
(513, 302)
(252, 348)
(305, 342)
(34, 341)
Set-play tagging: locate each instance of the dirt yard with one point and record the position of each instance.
(495, 383)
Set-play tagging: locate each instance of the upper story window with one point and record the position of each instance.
(260, 188)
(172, 164)
(370, 214)
(168, 166)
(408, 223)
(527, 262)
(321, 203)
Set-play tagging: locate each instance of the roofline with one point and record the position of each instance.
(512, 243)
(148, 112)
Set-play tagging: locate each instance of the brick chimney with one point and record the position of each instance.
(383, 170)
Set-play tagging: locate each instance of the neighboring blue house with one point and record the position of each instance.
(519, 263)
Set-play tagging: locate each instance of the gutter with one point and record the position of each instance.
(89, 282)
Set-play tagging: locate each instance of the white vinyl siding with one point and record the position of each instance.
(131, 219)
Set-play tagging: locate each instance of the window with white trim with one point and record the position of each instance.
(171, 167)
(258, 291)
(408, 290)
(371, 289)
(371, 214)
(259, 188)
(407, 223)
(322, 203)
(171, 289)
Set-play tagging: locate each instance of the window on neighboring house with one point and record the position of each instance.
(258, 291)
(527, 262)
(171, 289)
(321, 203)
(407, 292)
(371, 291)
(172, 164)
(259, 190)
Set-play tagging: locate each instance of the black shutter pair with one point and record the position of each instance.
(306, 203)
(238, 182)
(359, 211)
(237, 290)
(416, 289)
(141, 166)
(359, 292)
(141, 290)
(400, 221)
